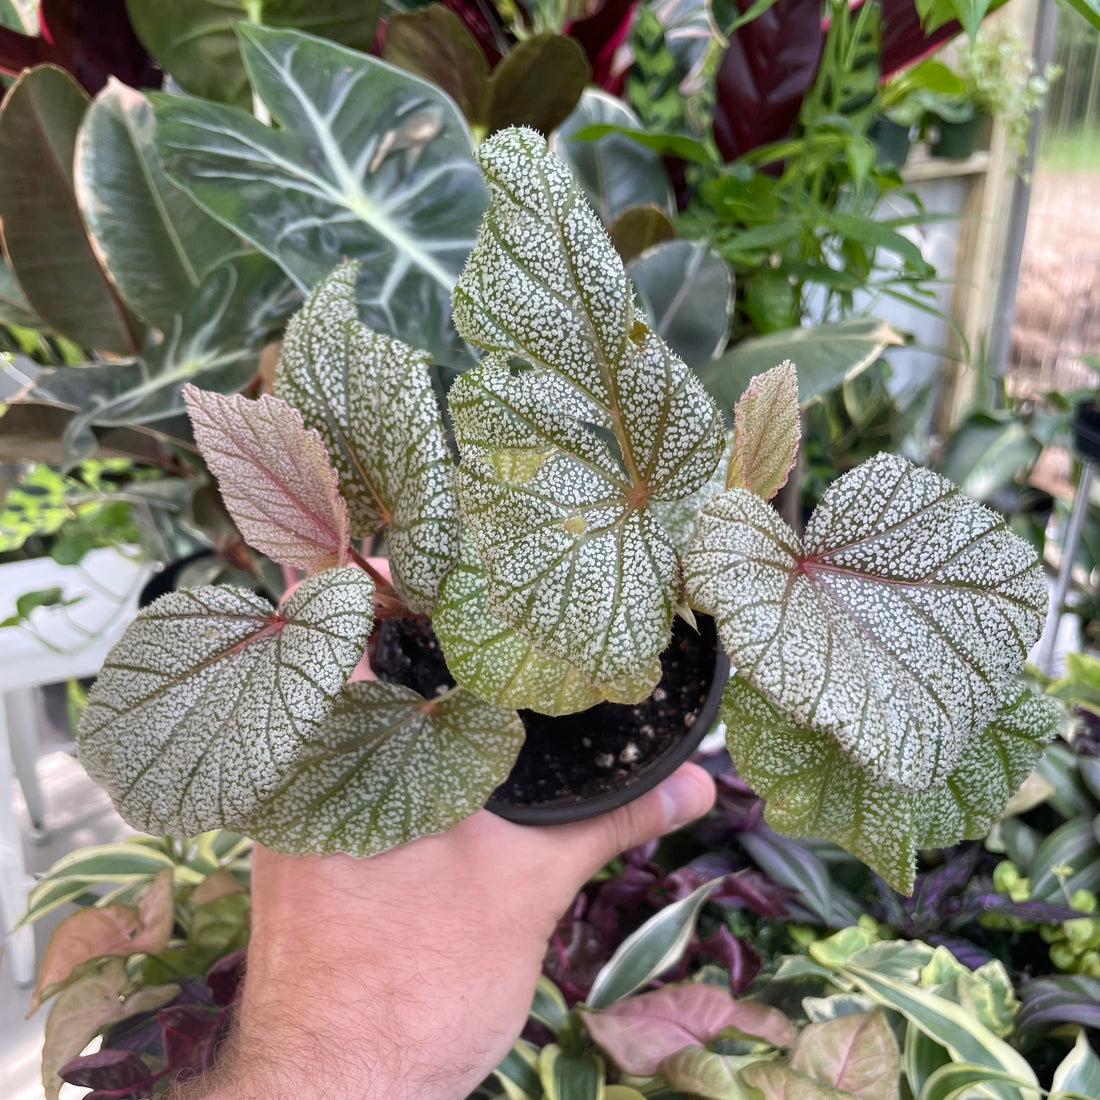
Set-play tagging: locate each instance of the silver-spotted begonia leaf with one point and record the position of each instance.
(211, 695)
(813, 788)
(490, 658)
(274, 476)
(893, 626)
(371, 399)
(389, 766)
(571, 429)
(767, 428)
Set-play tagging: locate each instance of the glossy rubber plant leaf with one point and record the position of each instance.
(491, 659)
(211, 695)
(365, 163)
(14, 308)
(894, 625)
(767, 428)
(155, 241)
(688, 291)
(814, 789)
(389, 766)
(614, 172)
(45, 237)
(857, 1053)
(194, 40)
(274, 476)
(825, 355)
(372, 401)
(640, 1032)
(573, 426)
(769, 66)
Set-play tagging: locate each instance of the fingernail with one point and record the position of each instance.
(684, 799)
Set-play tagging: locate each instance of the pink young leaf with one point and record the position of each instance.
(274, 475)
(767, 430)
(105, 931)
(857, 1053)
(640, 1032)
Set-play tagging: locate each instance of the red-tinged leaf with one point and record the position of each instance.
(190, 1037)
(904, 40)
(109, 930)
(766, 433)
(737, 955)
(769, 66)
(224, 977)
(600, 34)
(639, 1033)
(118, 1072)
(857, 1053)
(274, 475)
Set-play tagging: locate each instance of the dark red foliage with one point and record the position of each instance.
(904, 42)
(770, 65)
(601, 34)
(91, 39)
(484, 24)
(117, 1073)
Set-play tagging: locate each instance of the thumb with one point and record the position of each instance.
(685, 795)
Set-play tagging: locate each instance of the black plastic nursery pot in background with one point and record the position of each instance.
(1086, 430)
(576, 766)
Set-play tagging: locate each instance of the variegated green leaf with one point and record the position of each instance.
(779, 1082)
(388, 766)
(571, 1077)
(813, 788)
(578, 421)
(274, 476)
(892, 627)
(491, 659)
(372, 401)
(211, 695)
(1079, 1073)
(709, 1076)
(364, 162)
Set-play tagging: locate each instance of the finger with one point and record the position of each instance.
(586, 846)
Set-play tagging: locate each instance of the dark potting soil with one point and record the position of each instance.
(576, 757)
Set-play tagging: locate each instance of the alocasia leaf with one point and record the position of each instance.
(274, 476)
(363, 162)
(372, 401)
(386, 767)
(571, 429)
(892, 627)
(641, 1031)
(857, 1053)
(211, 694)
(767, 428)
(814, 789)
(491, 659)
(155, 241)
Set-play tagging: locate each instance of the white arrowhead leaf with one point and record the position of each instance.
(274, 475)
(211, 695)
(491, 659)
(389, 766)
(575, 425)
(894, 627)
(767, 428)
(372, 401)
(813, 788)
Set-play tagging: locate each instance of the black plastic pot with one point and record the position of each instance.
(579, 765)
(1086, 431)
(959, 140)
(891, 141)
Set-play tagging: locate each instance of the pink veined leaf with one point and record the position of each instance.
(767, 431)
(275, 477)
(857, 1053)
(640, 1032)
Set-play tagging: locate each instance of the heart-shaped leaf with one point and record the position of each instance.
(194, 40)
(372, 401)
(572, 428)
(389, 766)
(688, 290)
(537, 84)
(709, 1076)
(642, 1031)
(813, 788)
(156, 242)
(211, 694)
(615, 172)
(767, 428)
(857, 1053)
(892, 628)
(779, 1082)
(491, 659)
(367, 163)
(44, 234)
(274, 476)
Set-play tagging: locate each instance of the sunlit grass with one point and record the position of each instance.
(1076, 150)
